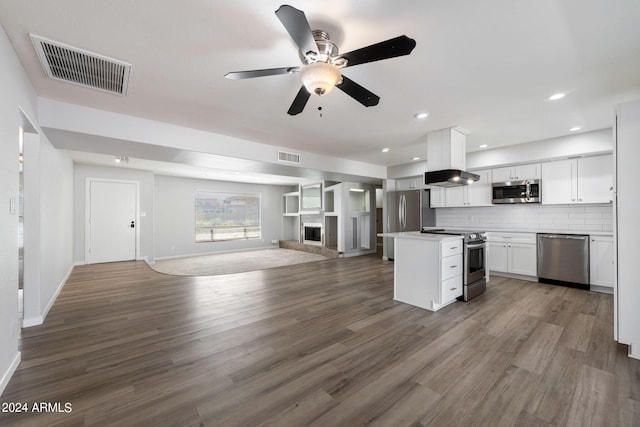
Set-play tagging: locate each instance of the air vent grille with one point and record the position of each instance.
(73, 65)
(286, 157)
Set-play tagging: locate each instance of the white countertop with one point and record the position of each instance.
(416, 235)
(525, 230)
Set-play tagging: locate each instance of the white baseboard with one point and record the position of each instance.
(632, 349)
(39, 320)
(9, 372)
(514, 276)
(28, 322)
(601, 289)
(359, 253)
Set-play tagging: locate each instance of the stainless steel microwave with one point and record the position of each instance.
(527, 191)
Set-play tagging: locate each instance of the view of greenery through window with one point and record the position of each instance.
(226, 216)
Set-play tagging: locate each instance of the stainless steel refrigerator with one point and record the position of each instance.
(408, 211)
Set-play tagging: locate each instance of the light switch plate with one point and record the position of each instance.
(13, 205)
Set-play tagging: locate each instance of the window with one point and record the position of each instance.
(227, 216)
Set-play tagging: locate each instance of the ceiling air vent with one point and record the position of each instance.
(283, 156)
(73, 65)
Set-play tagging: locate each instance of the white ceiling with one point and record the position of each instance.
(487, 66)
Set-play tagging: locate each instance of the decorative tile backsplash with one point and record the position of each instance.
(558, 218)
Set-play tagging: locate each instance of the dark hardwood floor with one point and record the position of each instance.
(320, 344)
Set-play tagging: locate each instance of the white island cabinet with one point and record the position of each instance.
(428, 269)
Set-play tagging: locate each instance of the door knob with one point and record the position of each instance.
(133, 224)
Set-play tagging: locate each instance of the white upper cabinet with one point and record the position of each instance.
(595, 179)
(413, 183)
(516, 173)
(476, 194)
(583, 180)
(559, 185)
(479, 193)
(456, 197)
(438, 195)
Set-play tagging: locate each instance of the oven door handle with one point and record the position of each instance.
(476, 245)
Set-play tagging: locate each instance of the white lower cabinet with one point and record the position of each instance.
(601, 262)
(498, 257)
(522, 259)
(428, 272)
(513, 253)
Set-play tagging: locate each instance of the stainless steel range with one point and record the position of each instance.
(474, 252)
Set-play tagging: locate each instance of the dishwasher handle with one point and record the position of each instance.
(564, 236)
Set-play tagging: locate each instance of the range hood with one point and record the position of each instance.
(446, 162)
(450, 178)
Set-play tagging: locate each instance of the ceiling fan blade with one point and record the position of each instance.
(391, 48)
(295, 22)
(239, 75)
(299, 102)
(357, 92)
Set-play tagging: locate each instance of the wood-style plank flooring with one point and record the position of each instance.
(320, 344)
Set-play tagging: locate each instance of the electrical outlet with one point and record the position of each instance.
(274, 241)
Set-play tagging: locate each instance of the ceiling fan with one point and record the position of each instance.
(321, 62)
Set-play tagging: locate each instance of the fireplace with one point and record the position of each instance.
(312, 233)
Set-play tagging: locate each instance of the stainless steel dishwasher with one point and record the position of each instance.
(563, 258)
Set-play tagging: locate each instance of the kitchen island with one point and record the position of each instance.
(428, 268)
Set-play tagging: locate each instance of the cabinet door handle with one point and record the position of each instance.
(452, 289)
(453, 247)
(453, 266)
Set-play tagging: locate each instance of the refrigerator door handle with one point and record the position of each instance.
(402, 212)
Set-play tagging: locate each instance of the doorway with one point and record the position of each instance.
(20, 223)
(111, 221)
(27, 208)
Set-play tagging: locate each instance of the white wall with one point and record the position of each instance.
(145, 223)
(535, 217)
(18, 94)
(71, 117)
(175, 216)
(587, 143)
(48, 226)
(627, 215)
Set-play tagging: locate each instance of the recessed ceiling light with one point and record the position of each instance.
(386, 149)
(483, 146)
(575, 129)
(415, 158)
(421, 115)
(557, 96)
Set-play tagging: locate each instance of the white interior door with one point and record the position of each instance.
(112, 221)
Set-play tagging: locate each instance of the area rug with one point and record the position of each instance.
(233, 262)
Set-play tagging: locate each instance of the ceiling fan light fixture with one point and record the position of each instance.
(320, 77)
